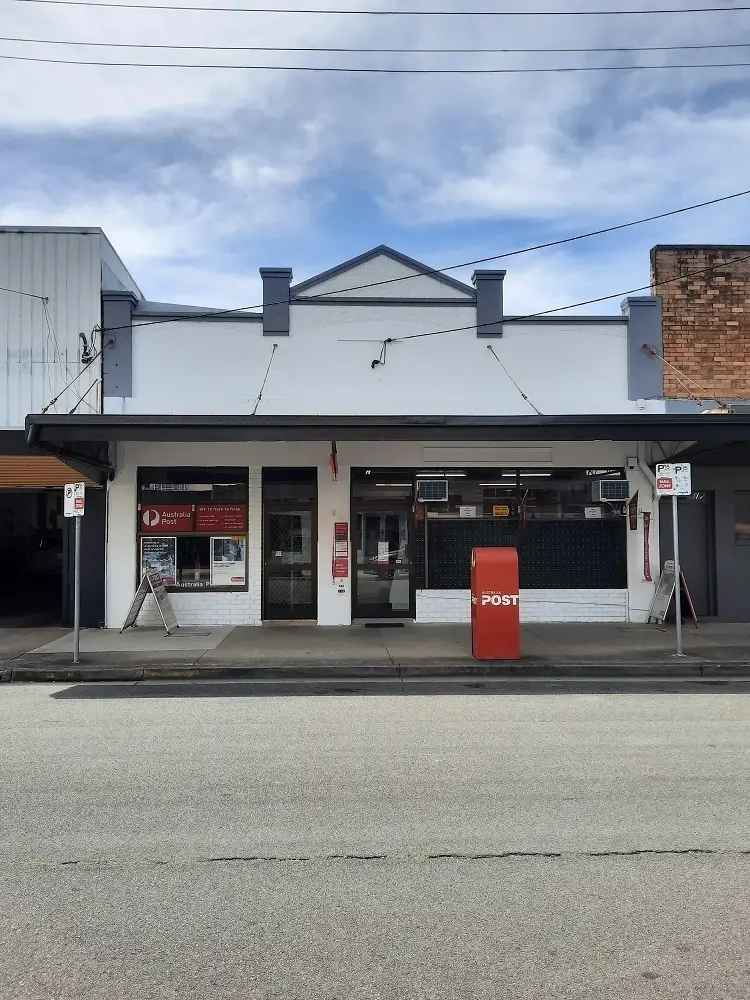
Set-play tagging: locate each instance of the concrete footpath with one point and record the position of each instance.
(289, 651)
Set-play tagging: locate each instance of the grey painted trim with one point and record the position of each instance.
(384, 251)
(686, 405)
(645, 372)
(117, 343)
(199, 318)
(344, 300)
(276, 296)
(489, 286)
(566, 320)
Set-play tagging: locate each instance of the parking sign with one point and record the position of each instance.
(673, 479)
(74, 499)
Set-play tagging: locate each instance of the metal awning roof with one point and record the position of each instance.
(714, 428)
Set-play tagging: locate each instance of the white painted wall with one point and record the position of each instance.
(334, 608)
(383, 268)
(324, 366)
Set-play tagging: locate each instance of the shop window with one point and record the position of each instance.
(742, 517)
(192, 526)
(565, 538)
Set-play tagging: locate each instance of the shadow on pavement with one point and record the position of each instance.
(321, 688)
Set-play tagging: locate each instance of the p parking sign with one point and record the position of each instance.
(673, 479)
(74, 495)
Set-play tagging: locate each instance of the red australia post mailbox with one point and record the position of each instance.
(495, 625)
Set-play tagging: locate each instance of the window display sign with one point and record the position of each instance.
(228, 517)
(228, 561)
(500, 510)
(159, 555)
(161, 518)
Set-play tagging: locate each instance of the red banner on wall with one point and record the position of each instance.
(221, 517)
(166, 519)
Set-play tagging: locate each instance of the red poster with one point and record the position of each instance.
(166, 519)
(340, 549)
(229, 518)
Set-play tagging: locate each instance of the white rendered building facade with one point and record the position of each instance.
(323, 459)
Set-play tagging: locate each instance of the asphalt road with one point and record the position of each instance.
(191, 840)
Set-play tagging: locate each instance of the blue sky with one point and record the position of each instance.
(201, 177)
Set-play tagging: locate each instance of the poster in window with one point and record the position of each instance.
(228, 517)
(159, 555)
(228, 561)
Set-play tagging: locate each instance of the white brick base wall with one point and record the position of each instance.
(536, 605)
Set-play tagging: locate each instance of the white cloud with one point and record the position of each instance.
(189, 171)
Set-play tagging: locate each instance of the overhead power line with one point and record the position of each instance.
(573, 305)
(388, 13)
(379, 70)
(28, 295)
(372, 51)
(212, 314)
(477, 326)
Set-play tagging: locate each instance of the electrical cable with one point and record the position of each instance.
(225, 312)
(497, 358)
(387, 13)
(681, 376)
(428, 272)
(573, 305)
(30, 295)
(82, 398)
(75, 378)
(265, 379)
(372, 51)
(377, 70)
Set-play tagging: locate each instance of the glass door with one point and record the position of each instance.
(289, 564)
(382, 571)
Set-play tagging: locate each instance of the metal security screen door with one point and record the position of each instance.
(290, 550)
(289, 577)
(382, 573)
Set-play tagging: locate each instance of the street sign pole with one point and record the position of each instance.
(74, 505)
(77, 593)
(673, 480)
(677, 576)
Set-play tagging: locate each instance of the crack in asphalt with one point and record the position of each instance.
(365, 858)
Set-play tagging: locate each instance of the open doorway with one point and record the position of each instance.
(31, 556)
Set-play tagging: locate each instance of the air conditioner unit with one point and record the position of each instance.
(432, 490)
(611, 490)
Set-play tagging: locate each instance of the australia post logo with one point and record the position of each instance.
(497, 599)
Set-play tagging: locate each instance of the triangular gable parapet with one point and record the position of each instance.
(420, 269)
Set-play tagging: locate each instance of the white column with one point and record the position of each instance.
(334, 596)
(641, 591)
(121, 539)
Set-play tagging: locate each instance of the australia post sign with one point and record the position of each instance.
(166, 518)
(495, 621)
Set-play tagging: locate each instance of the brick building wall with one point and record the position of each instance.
(705, 320)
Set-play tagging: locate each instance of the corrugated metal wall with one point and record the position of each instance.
(38, 359)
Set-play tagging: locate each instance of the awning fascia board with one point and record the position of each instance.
(60, 430)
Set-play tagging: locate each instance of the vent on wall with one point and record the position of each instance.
(432, 490)
(612, 490)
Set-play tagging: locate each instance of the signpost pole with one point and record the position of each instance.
(677, 576)
(74, 505)
(77, 592)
